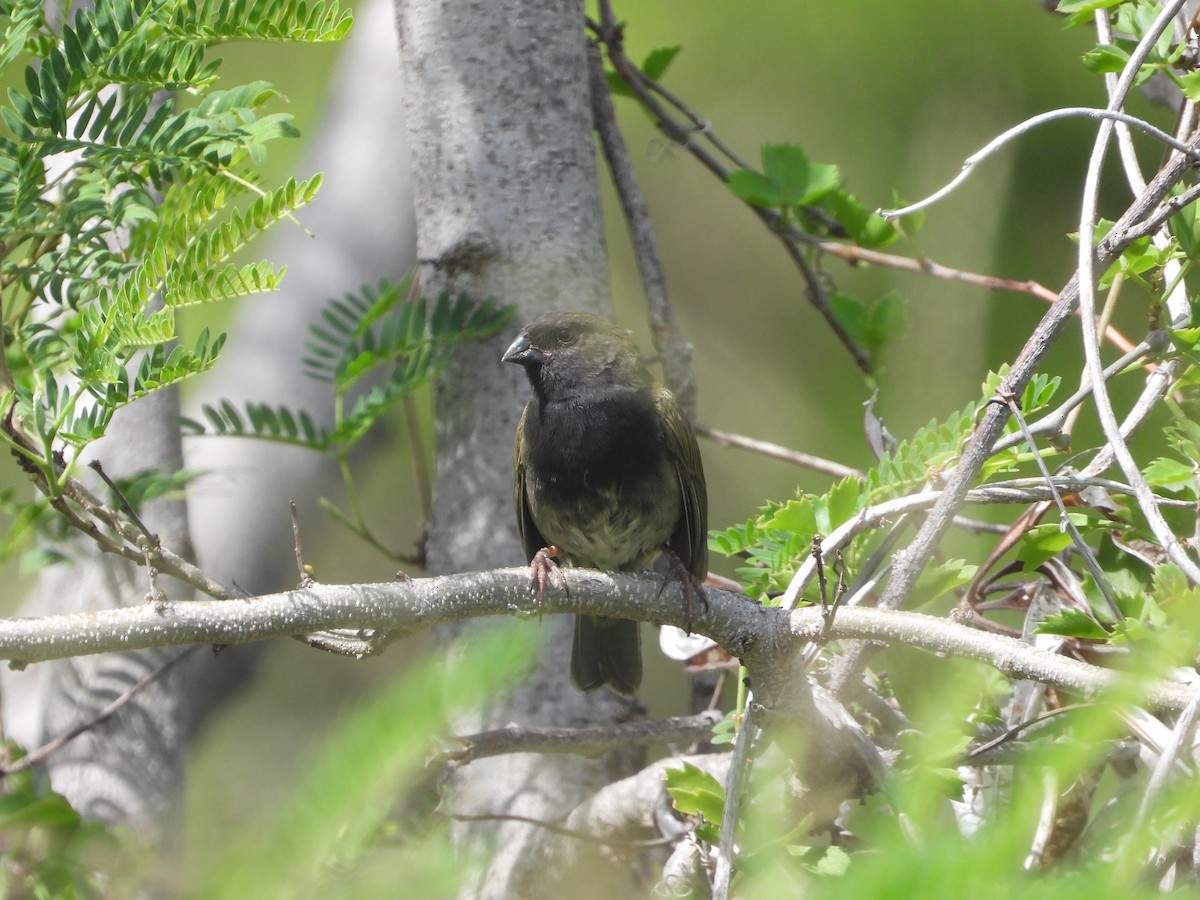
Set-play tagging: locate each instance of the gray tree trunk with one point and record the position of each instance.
(497, 108)
(130, 769)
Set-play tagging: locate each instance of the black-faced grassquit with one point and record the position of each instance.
(608, 476)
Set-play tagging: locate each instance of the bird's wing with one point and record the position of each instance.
(531, 538)
(690, 538)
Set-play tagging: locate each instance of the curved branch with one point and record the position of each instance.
(1087, 268)
(1107, 115)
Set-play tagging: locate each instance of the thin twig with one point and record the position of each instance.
(739, 770)
(151, 538)
(1107, 117)
(1052, 422)
(981, 750)
(163, 559)
(777, 451)
(585, 741)
(1180, 737)
(853, 254)
(608, 32)
(304, 574)
(565, 832)
(1065, 520)
(1018, 491)
(673, 350)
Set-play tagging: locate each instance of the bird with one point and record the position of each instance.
(608, 476)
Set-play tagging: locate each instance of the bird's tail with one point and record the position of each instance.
(606, 651)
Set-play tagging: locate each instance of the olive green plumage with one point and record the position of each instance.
(607, 471)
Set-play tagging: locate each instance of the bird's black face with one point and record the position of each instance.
(562, 351)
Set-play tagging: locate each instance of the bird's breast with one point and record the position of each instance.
(599, 481)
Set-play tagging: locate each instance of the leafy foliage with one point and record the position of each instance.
(697, 793)
(779, 539)
(359, 334)
(810, 193)
(120, 202)
(53, 849)
(373, 348)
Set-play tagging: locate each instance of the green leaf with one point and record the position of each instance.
(22, 810)
(787, 179)
(1039, 392)
(756, 188)
(873, 324)
(789, 166)
(654, 66)
(1041, 543)
(842, 502)
(934, 581)
(867, 229)
(822, 861)
(1105, 58)
(725, 731)
(1073, 623)
(697, 793)
(1080, 12)
(1189, 83)
(1170, 474)
(261, 421)
(798, 516)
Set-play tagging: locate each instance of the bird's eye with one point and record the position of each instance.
(565, 336)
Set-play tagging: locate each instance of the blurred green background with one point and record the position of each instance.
(897, 94)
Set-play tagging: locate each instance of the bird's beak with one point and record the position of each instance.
(523, 353)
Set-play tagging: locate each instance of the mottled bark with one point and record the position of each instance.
(497, 107)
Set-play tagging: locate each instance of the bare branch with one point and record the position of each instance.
(1106, 115)
(759, 636)
(560, 830)
(674, 351)
(776, 451)
(513, 738)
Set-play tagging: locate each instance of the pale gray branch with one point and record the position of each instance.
(759, 636)
(1091, 344)
(1107, 117)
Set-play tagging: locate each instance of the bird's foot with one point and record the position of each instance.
(693, 587)
(542, 568)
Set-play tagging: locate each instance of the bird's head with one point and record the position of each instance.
(562, 352)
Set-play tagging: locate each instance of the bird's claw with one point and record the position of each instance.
(693, 587)
(542, 568)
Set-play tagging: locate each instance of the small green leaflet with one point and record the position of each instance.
(696, 793)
